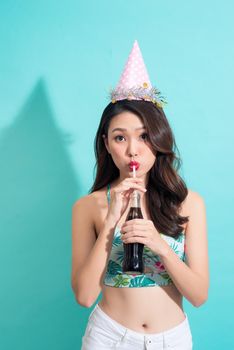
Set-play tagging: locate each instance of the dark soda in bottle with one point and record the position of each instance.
(133, 252)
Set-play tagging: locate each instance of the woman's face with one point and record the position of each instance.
(127, 140)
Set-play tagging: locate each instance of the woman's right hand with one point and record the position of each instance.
(120, 197)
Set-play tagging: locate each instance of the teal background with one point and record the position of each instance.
(57, 63)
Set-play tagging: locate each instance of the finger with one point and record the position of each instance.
(135, 224)
(124, 188)
(126, 235)
(137, 221)
(134, 231)
(133, 179)
(130, 185)
(135, 240)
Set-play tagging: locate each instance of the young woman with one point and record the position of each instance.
(138, 311)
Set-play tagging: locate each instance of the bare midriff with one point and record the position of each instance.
(144, 309)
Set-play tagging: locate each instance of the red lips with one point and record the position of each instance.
(134, 163)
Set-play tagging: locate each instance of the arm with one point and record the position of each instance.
(89, 254)
(192, 280)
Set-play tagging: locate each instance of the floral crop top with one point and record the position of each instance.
(154, 274)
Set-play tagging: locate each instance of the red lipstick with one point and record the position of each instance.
(134, 163)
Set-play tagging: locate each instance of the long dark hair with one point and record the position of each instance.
(166, 190)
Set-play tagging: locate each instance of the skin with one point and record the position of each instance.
(124, 146)
(138, 303)
(146, 309)
(128, 145)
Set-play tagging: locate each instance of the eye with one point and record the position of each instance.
(144, 136)
(117, 137)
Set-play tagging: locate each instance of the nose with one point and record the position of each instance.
(132, 149)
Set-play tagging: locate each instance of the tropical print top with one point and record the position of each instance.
(154, 273)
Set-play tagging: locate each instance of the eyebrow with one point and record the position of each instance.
(122, 129)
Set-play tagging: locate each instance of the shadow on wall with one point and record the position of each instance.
(38, 188)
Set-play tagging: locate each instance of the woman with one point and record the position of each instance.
(138, 311)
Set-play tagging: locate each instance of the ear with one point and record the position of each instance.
(106, 142)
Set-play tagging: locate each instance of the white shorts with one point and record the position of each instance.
(102, 333)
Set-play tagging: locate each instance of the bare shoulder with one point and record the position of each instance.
(83, 212)
(88, 202)
(193, 199)
(92, 207)
(194, 208)
(85, 201)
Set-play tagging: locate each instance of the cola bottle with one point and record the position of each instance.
(133, 252)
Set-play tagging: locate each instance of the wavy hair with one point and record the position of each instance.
(166, 190)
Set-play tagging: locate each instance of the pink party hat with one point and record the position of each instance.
(134, 83)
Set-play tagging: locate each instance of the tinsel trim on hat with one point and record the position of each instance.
(140, 93)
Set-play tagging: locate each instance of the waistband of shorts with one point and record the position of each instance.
(105, 321)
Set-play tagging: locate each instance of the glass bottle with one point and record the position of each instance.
(133, 252)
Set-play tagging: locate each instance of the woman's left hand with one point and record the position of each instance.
(143, 231)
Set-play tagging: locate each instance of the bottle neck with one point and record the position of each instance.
(135, 199)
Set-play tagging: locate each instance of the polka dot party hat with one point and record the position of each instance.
(134, 83)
